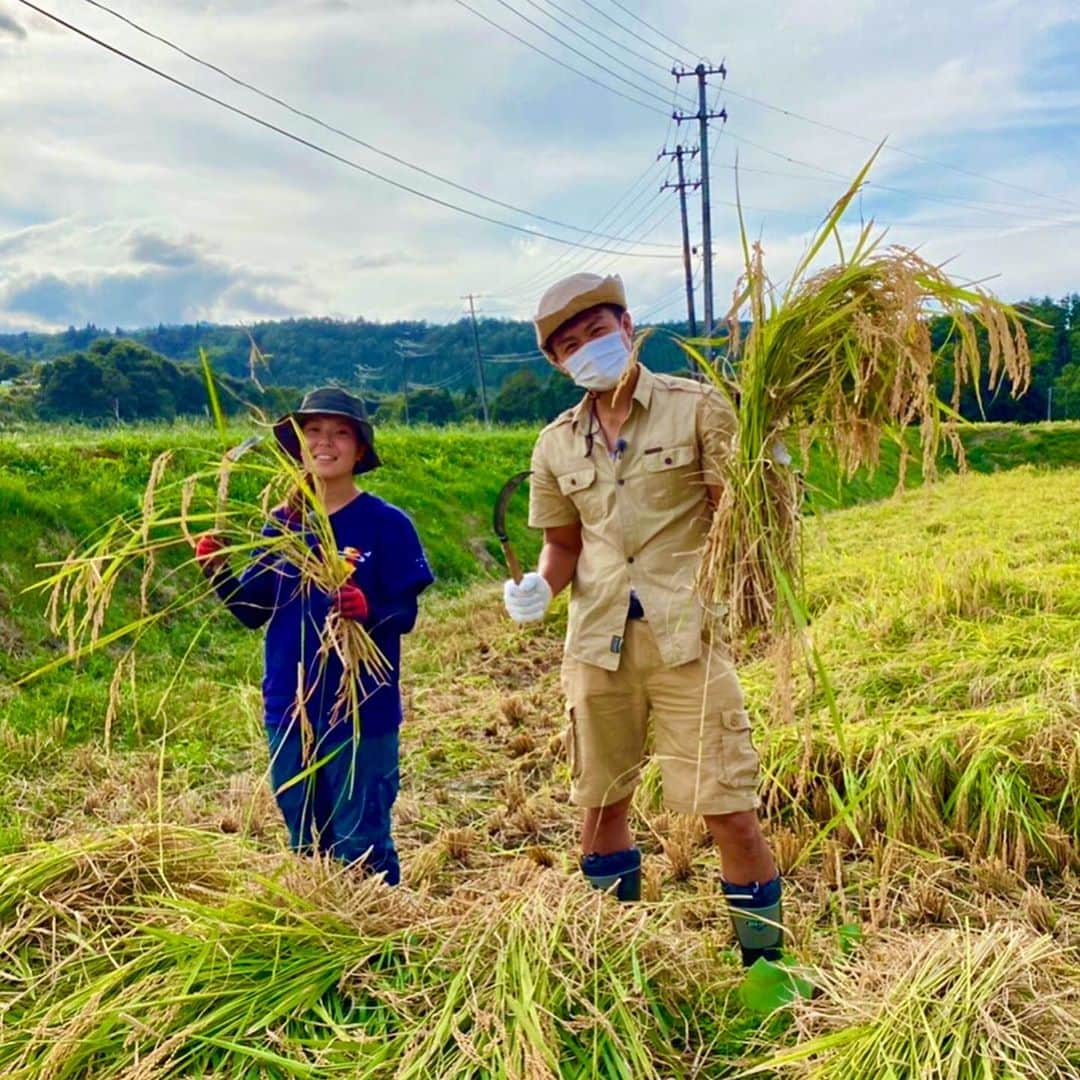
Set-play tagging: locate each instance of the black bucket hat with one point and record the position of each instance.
(329, 401)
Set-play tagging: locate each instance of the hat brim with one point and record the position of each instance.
(285, 431)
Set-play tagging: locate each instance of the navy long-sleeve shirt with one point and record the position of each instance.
(391, 569)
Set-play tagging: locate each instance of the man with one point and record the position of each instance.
(623, 485)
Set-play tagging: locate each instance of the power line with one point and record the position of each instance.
(638, 37)
(618, 211)
(322, 149)
(597, 263)
(603, 50)
(951, 200)
(600, 33)
(896, 149)
(296, 111)
(825, 125)
(603, 265)
(536, 48)
(665, 300)
(914, 192)
(584, 56)
(514, 358)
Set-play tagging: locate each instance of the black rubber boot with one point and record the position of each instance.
(620, 869)
(757, 917)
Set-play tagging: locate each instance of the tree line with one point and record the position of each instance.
(95, 375)
(116, 380)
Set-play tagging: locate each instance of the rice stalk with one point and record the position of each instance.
(841, 356)
(988, 787)
(276, 524)
(216, 960)
(157, 471)
(187, 497)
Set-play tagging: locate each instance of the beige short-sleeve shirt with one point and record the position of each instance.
(643, 513)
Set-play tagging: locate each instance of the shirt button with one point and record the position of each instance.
(621, 482)
(631, 559)
(667, 461)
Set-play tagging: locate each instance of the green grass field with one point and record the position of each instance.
(152, 924)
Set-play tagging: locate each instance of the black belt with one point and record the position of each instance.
(636, 611)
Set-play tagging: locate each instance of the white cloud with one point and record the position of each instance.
(135, 202)
(9, 27)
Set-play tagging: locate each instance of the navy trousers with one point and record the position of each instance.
(343, 807)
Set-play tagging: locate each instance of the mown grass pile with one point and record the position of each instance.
(945, 1003)
(161, 951)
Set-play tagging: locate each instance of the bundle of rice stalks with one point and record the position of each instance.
(1002, 787)
(957, 1004)
(842, 356)
(278, 518)
(326, 973)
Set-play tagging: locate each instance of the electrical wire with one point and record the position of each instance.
(297, 111)
(620, 210)
(595, 263)
(654, 29)
(602, 49)
(667, 298)
(584, 56)
(951, 200)
(600, 33)
(536, 48)
(299, 139)
(897, 149)
(838, 129)
(637, 37)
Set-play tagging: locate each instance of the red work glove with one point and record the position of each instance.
(351, 602)
(208, 555)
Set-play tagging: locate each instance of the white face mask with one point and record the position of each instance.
(598, 364)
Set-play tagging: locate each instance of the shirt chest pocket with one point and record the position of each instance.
(672, 475)
(581, 488)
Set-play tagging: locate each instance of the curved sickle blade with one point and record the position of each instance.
(237, 452)
(499, 521)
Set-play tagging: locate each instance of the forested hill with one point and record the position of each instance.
(437, 362)
(306, 351)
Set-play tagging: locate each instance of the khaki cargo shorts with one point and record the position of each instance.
(701, 730)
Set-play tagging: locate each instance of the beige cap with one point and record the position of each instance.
(571, 297)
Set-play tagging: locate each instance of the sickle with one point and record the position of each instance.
(499, 522)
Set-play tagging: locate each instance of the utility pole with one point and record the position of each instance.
(479, 360)
(678, 154)
(404, 354)
(703, 116)
(408, 350)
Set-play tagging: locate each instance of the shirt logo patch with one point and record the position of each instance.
(355, 556)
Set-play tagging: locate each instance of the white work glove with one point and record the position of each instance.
(780, 453)
(528, 599)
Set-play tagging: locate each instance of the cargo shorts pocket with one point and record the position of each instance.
(570, 744)
(740, 758)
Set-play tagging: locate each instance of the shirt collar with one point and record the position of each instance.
(644, 389)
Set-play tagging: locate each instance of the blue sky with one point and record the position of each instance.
(127, 202)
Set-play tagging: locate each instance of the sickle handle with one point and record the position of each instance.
(512, 563)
